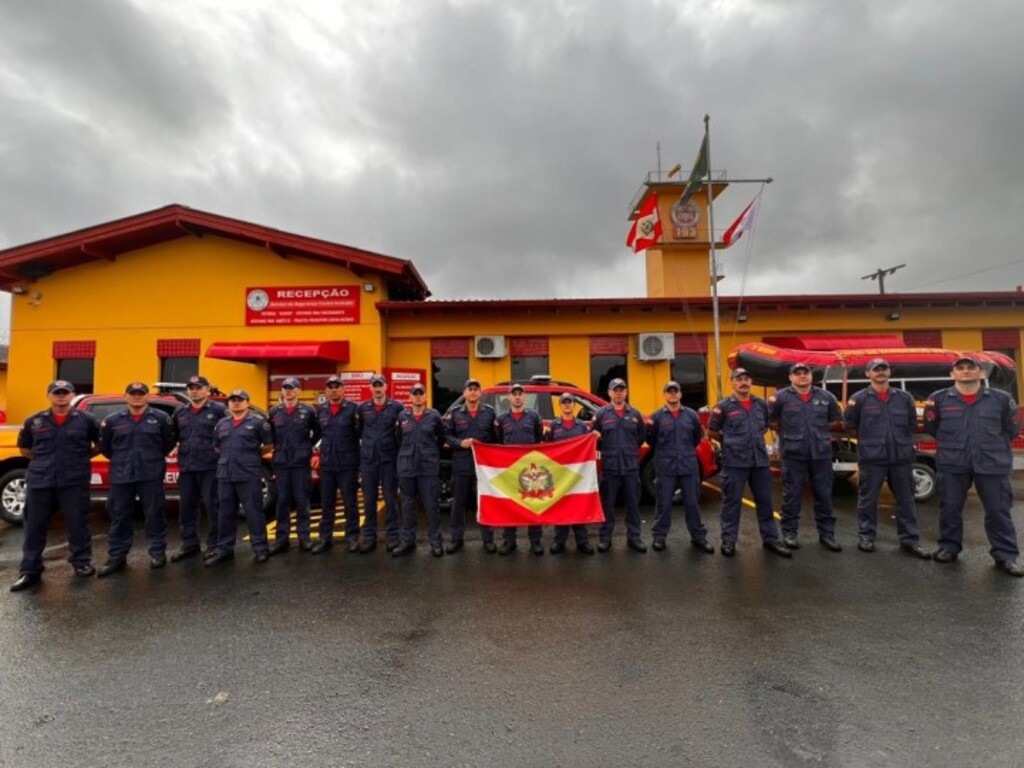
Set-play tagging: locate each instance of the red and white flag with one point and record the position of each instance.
(743, 223)
(539, 484)
(646, 229)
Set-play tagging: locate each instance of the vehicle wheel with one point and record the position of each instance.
(445, 488)
(924, 482)
(12, 496)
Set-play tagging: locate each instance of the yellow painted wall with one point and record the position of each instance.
(568, 331)
(186, 288)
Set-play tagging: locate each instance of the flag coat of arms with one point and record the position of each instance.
(646, 228)
(538, 484)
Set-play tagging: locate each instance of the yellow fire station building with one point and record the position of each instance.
(168, 293)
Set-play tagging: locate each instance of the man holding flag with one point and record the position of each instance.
(564, 428)
(520, 426)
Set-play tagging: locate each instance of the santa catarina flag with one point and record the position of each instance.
(646, 228)
(539, 484)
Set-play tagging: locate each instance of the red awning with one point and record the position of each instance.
(252, 351)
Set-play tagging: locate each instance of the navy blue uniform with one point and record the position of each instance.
(295, 434)
(419, 462)
(621, 438)
(674, 438)
(744, 461)
(525, 430)
(461, 425)
(339, 468)
(563, 430)
(197, 470)
(57, 478)
(239, 479)
(137, 450)
(806, 450)
(974, 447)
(378, 452)
(885, 453)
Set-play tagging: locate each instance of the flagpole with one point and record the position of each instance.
(714, 263)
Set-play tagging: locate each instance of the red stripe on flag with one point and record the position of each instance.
(576, 450)
(570, 510)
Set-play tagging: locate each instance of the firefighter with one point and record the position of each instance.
(59, 443)
(622, 431)
(420, 434)
(194, 425)
(563, 428)
(674, 432)
(471, 421)
(242, 439)
(296, 430)
(378, 451)
(137, 441)
(803, 415)
(339, 465)
(974, 426)
(739, 422)
(883, 420)
(520, 426)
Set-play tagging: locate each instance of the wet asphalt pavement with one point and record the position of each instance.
(673, 658)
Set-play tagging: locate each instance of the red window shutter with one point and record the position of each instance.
(441, 349)
(609, 345)
(1001, 338)
(177, 348)
(690, 344)
(529, 346)
(925, 339)
(74, 350)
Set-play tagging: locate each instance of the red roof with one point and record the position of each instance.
(753, 304)
(106, 241)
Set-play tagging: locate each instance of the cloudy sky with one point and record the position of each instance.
(498, 145)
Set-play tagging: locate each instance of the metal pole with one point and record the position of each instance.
(714, 265)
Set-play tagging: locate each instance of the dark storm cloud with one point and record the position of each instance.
(498, 145)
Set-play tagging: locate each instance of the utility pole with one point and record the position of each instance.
(880, 274)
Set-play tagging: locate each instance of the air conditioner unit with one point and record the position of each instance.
(489, 346)
(656, 346)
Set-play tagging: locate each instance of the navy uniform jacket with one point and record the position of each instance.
(339, 441)
(742, 431)
(419, 443)
(241, 447)
(559, 431)
(527, 429)
(295, 434)
(803, 427)
(378, 444)
(60, 454)
(885, 428)
(137, 450)
(195, 433)
(973, 438)
(674, 440)
(459, 425)
(621, 438)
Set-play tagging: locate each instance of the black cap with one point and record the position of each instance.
(418, 388)
(60, 385)
(616, 383)
(566, 396)
(966, 359)
(291, 383)
(516, 388)
(136, 386)
(198, 381)
(333, 379)
(672, 385)
(471, 383)
(878, 362)
(737, 372)
(238, 394)
(799, 367)
(377, 379)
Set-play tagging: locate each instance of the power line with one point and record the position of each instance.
(879, 275)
